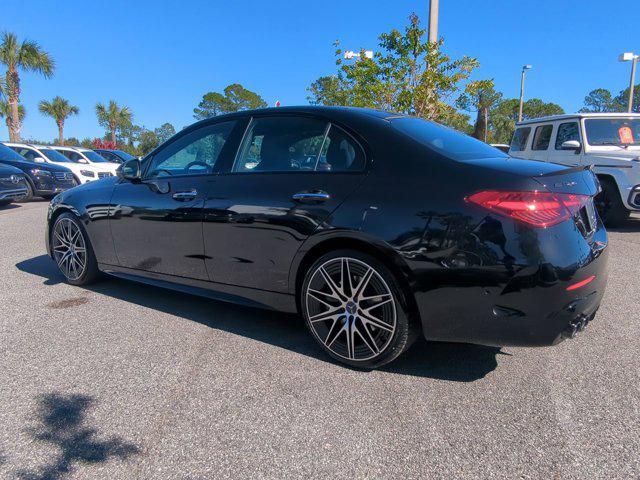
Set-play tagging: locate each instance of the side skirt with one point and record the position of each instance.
(249, 297)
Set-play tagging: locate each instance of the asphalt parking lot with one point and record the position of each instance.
(129, 381)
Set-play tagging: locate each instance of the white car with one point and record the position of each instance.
(87, 157)
(83, 173)
(609, 143)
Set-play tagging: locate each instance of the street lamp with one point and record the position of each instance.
(630, 57)
(524, 70)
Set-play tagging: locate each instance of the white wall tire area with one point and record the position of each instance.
(353, 307)
(72, 251)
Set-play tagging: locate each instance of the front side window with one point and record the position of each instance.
(620, 132)
(297, 144)
(94, 157)
(26, 153)
(567, 131)
(195, 153)
(519, 140)
(54, 155)
(542, 137)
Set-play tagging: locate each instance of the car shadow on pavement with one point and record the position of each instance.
(445, 361)
(631, 225)
(62, 423)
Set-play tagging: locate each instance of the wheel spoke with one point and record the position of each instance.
(364, 281)
(368, 339)
(366, 319)
(367, 310)
(350, 331)
(326, 315)
(345, 277)
(318, 296)
(335, 289)
(333, 334)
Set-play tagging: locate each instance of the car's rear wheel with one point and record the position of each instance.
(609, 204)
(72, 250)
(354, 308)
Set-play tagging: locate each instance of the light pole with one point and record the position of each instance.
(433, 21)
(630, 57)
(524, 70)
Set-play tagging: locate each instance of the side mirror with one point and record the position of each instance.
(82, 160)
(39, 160)
(130, 170)
(571, 145)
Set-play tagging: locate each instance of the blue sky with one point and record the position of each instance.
(159, 58)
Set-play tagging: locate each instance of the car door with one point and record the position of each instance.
(289, 175)
(566, 131)
(156, 222)
(541, 141)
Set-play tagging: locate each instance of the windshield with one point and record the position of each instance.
(54, 156)
(621, 132)
(445, 140)
(9, 155)
(94, 157)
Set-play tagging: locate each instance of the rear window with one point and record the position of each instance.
(542, 137)
(520, 138)
(445, 140)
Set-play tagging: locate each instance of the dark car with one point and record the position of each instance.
(115, 156)
(13, 185)
(43, 179)
(405, 228)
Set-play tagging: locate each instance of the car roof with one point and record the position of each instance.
(314, 109)
(566, 116)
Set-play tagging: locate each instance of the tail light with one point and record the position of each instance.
(540, 209)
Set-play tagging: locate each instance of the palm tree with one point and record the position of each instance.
(5, 111)
(27, 56)
(113, 117)
(59, 109)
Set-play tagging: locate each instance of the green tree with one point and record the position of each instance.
(480, 97)
(113, 118)
(164, 132)
(621, 102)
(599, 100)
(234, 99)
(505, 115)
(72, 142)
(408, 75)
(147, 141)
(5, 112)
(86, 143)
(16, 56)
(59, 109)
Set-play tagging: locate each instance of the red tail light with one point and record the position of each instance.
(540, 209)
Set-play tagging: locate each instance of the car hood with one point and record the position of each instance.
(9, 170)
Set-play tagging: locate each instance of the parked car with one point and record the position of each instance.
(43, 179)
(88, 157)
(40, 154)
(410, 228)
(609, 143)
(114, 156)
(13, 185)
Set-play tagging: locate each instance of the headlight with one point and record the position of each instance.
(41, 173)
(88, 173)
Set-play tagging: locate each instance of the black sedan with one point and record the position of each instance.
(114, 156)
(13, 185)
(43, 179)
(401, 227)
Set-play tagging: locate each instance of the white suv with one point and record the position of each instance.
(83, 173)
(608, 142)
(88, 157)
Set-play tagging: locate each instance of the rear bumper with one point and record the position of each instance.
(518, 305)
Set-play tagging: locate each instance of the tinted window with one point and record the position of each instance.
(340, 153)
(445, 140)
(566, 132)
(193, 154)
(281, 144)
(542, 137)
(93, 156)
(123, 155)
(109, 156)
(613, 131)
(27, 153)
(8, 154)
(54, 155)
(520, 138)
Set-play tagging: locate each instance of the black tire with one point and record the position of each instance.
(48, 197)
(609, 204)
(4, 203)
(90, 272)
(381, 345)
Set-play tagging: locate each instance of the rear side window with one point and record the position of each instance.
(297, 144)
(567, 131)
(445, 140)
(542, 137)
(520, 138)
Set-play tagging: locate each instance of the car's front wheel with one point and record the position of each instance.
(72, 250)
(609, 204)
(355, 309)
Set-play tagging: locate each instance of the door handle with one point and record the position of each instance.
(312, 196)
(186, 195)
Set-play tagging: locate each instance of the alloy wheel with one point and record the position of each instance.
(350, 309)
(69, 248)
